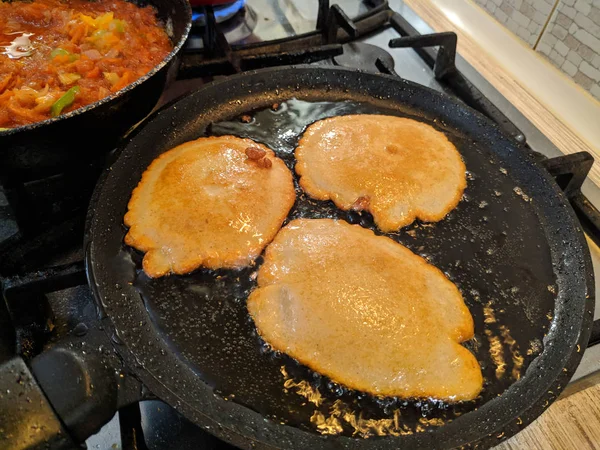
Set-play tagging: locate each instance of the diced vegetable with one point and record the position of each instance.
(64, 102)
(45, 102)
(112, 53)
(68, 78)
(59, 51)
(101, 21)
(64, 56)
(88, 20)
(98, 34)
(93, 54)
(93, 74)
(111, 77)
(117, 25)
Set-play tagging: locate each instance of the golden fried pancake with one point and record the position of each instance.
(397, 169)
(365, 311)
(214, 202)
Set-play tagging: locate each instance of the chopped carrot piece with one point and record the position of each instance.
(94, 73)
(123, 81)
(61, 59)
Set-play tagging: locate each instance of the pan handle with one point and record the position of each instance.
(27, 420)
(80, 378)
(85, 382)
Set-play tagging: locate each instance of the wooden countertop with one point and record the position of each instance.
(572, 422)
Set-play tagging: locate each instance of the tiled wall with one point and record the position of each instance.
(525, 18)
(570, 40)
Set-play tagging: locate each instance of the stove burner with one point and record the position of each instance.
(366, 57)
(237, 26)
(222, 12)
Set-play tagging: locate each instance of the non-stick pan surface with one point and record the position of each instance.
(513, 247)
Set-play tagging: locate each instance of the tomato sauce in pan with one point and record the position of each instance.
(57, 56)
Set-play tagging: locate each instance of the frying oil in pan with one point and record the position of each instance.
(487, 246)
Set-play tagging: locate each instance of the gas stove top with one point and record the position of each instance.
(43, 277)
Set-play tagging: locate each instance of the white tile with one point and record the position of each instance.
(550, 39)
(569, 68)
(542, 6)
(595, 91)
(583, 6)
(584, 22)
(533, 27)
(501, 15)
(595, 15)
(512, 25)
(544, 48)
(596, 61)
(557, 58)
(559, 31)
(573, 28)
(568, 11)
(520, 18)
(569, 2)
(589, 71)
(561, 48)
(524, 34)
(588, 39)
(540, 18)
(574, 57)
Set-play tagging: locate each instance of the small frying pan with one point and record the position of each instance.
(513, 246)
(73, 139)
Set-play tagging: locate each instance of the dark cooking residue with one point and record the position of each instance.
(501, 266)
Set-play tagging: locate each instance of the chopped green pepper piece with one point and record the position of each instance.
(99, 33)
(66, 100)
(4, 129)
(59, 51)
(117, 25)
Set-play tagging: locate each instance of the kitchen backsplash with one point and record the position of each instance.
(566, 32)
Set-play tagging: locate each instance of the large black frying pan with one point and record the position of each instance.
(72, 139)
(513, 246)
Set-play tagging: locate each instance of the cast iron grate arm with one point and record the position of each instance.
(444, 64)
(334, 27)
